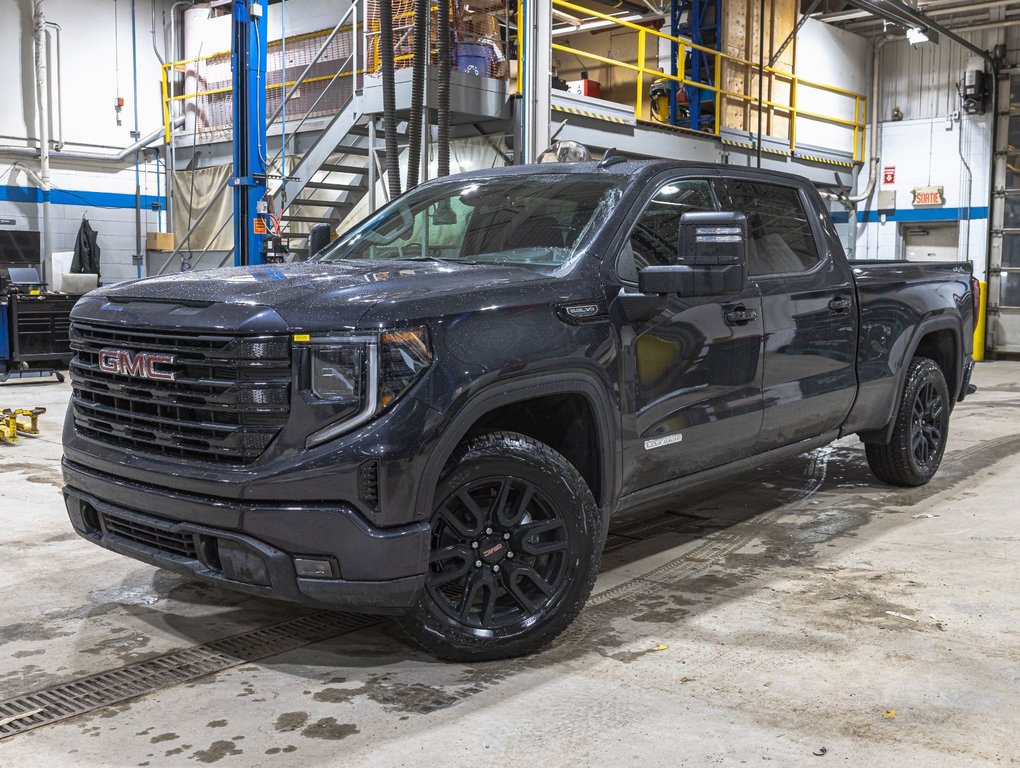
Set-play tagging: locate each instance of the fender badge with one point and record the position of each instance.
(661, 442)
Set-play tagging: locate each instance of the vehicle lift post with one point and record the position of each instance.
(534, 106)
(248, 56)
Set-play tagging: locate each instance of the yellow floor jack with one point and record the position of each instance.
(11, 426)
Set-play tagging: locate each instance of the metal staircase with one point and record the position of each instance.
(333, 174)
(332, 178)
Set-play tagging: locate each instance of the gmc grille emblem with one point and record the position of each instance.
(141, 365)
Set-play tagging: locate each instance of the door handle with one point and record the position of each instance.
(839, 304)
(740, 316)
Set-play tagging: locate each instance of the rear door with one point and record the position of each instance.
(810, 321)
(692, 371)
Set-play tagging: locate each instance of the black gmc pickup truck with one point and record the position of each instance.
(439, 415)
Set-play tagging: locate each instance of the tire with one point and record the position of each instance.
(919, 436)
(515, 549)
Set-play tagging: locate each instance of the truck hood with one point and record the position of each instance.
(321, 296)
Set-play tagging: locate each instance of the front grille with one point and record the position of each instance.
(229, 398)
(181, 545)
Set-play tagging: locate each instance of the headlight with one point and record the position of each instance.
(404, 355)
(364, 374)
(338, 373)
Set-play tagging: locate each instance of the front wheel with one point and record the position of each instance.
(515, 549)
(919, 436)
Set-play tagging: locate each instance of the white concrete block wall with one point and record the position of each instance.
(931, 152)
(925, 147)
(95, 44)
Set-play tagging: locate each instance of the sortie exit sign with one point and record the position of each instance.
(929, 196)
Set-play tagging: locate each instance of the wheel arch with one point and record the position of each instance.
(937, 338)
(503, 398)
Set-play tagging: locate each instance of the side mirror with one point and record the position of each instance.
(318, 238)
(712, 258)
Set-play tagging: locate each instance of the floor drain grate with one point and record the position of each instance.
(640, 530)
(59, 702)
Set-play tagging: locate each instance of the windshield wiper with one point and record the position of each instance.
(443, 259)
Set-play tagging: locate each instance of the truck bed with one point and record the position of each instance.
(895, 299)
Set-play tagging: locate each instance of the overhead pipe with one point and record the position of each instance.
(988, 26)
(30, 172)
(389, 95)
(43, 116)
(874, 158)
(861, 19)
(94, 157)
(942, 7)
(897, 11)
(59, 143)
(171, 153)
(155, 49)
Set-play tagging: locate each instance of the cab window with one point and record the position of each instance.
(655, 238)
(781, 240)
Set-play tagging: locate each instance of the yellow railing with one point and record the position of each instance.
(370, 63)
(857, 125)
(182, 67)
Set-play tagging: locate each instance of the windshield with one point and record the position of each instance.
(540, 220)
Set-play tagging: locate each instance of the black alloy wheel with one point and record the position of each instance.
(499, 553)
(515, 548)
(926, 426)
(914, 453)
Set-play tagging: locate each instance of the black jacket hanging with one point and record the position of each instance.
(86, 250)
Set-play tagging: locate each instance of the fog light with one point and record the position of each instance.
(313, 568)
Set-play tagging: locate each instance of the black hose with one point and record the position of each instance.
(389, 95)
(443, 90)
(421, 56)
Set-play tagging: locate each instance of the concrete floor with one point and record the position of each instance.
(802, 608)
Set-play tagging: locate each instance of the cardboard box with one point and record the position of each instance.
(159, 241)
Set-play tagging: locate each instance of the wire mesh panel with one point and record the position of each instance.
(209, 82)
(479, 29)
(480, 32)
(329, 84)
(327, 88)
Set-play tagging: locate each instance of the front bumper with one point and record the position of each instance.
(250, 547)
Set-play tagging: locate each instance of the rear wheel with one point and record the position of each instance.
(515, 549)
(919, 437)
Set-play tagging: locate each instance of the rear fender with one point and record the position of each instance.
(884, 434)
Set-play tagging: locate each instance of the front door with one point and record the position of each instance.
(691, 373)
(807, 293)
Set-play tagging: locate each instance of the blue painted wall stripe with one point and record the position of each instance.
(78, 197)
(911, 214)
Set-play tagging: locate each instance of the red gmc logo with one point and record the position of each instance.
(141, 365)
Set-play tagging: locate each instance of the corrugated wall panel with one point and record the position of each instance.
(922, 82)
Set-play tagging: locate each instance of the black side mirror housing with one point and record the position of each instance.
(712, 258)
(318, 238)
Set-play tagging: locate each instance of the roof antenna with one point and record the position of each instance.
(612, 156)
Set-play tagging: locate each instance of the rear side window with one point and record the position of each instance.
(781, 239)
(655, 239)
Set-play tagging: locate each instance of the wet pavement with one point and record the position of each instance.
(803, 614)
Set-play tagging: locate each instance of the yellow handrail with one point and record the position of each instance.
(858, 124)
(369, 28)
